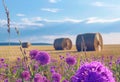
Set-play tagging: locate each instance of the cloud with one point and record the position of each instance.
(2, 22)
(106, 5)
(99, 20)
(20, 15)
(30, 22)
(53, 10)
(40, 22)
(53, 1)
(98, 4)
(25, 22)
(108, 38)
(64, 20)
(46, 38)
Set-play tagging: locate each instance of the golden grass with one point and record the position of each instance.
(13, 52)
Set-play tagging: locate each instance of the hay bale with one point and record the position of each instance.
(62, 44)
(89, 42)
(26, 44)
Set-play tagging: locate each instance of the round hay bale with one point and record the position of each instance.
(62, 44)
(89, 42)
(26, 44)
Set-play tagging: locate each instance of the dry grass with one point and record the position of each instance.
(13, 52)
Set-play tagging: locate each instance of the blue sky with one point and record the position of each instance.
(45, 20)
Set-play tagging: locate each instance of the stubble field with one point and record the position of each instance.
(13, 52)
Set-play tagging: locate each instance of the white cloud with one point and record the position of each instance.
(106, 5)
(99, 4)
(72, 20)
(20, 15)
(99, 20)
(64, 20)
(25, 22)
(39, 22)
(2, 22)
(54, 1)
(108, 38)
(30, 22)
(53, 10)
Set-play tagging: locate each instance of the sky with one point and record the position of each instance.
(46, 20)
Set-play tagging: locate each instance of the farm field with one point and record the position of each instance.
(58, 64)
(14, 52)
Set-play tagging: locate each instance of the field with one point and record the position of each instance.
(13, 69)
(14, 52)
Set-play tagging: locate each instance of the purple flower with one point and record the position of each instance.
(33, 53)
(71, 60)
(5, 65)
(118, 61)
(56, 77)
(38, 78)
(52, 69)
(45, 79)
(18, 59)
(25, 75)
(61, 57)
(43, 58)
(19, 80)
(93, 72)
(65, 80)
(6, 80)
(2, 60)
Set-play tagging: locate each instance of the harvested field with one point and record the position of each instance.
(13, 52)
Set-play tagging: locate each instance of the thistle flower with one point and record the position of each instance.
(70, 60)
(6, 80)
(52, 69)
(33, 53)
(25, 75)
(43, 58)
(45, 79)
(93, 72)
(56, 77)
(118, 61)
(18, 59)
(38, 78)
(2, 60)
(65, 80)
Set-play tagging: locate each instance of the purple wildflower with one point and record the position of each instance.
(2, 60)
(65, 80)
(38, 78)
(118, 61)
(6, 80)
(5, 65)
(61, 57)
(93, 72)
(56, 77)
(52, 69)
(45, 79)
(70, 60)
(25, 75)
(18, 58)
(43, 58)
(33, 53)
